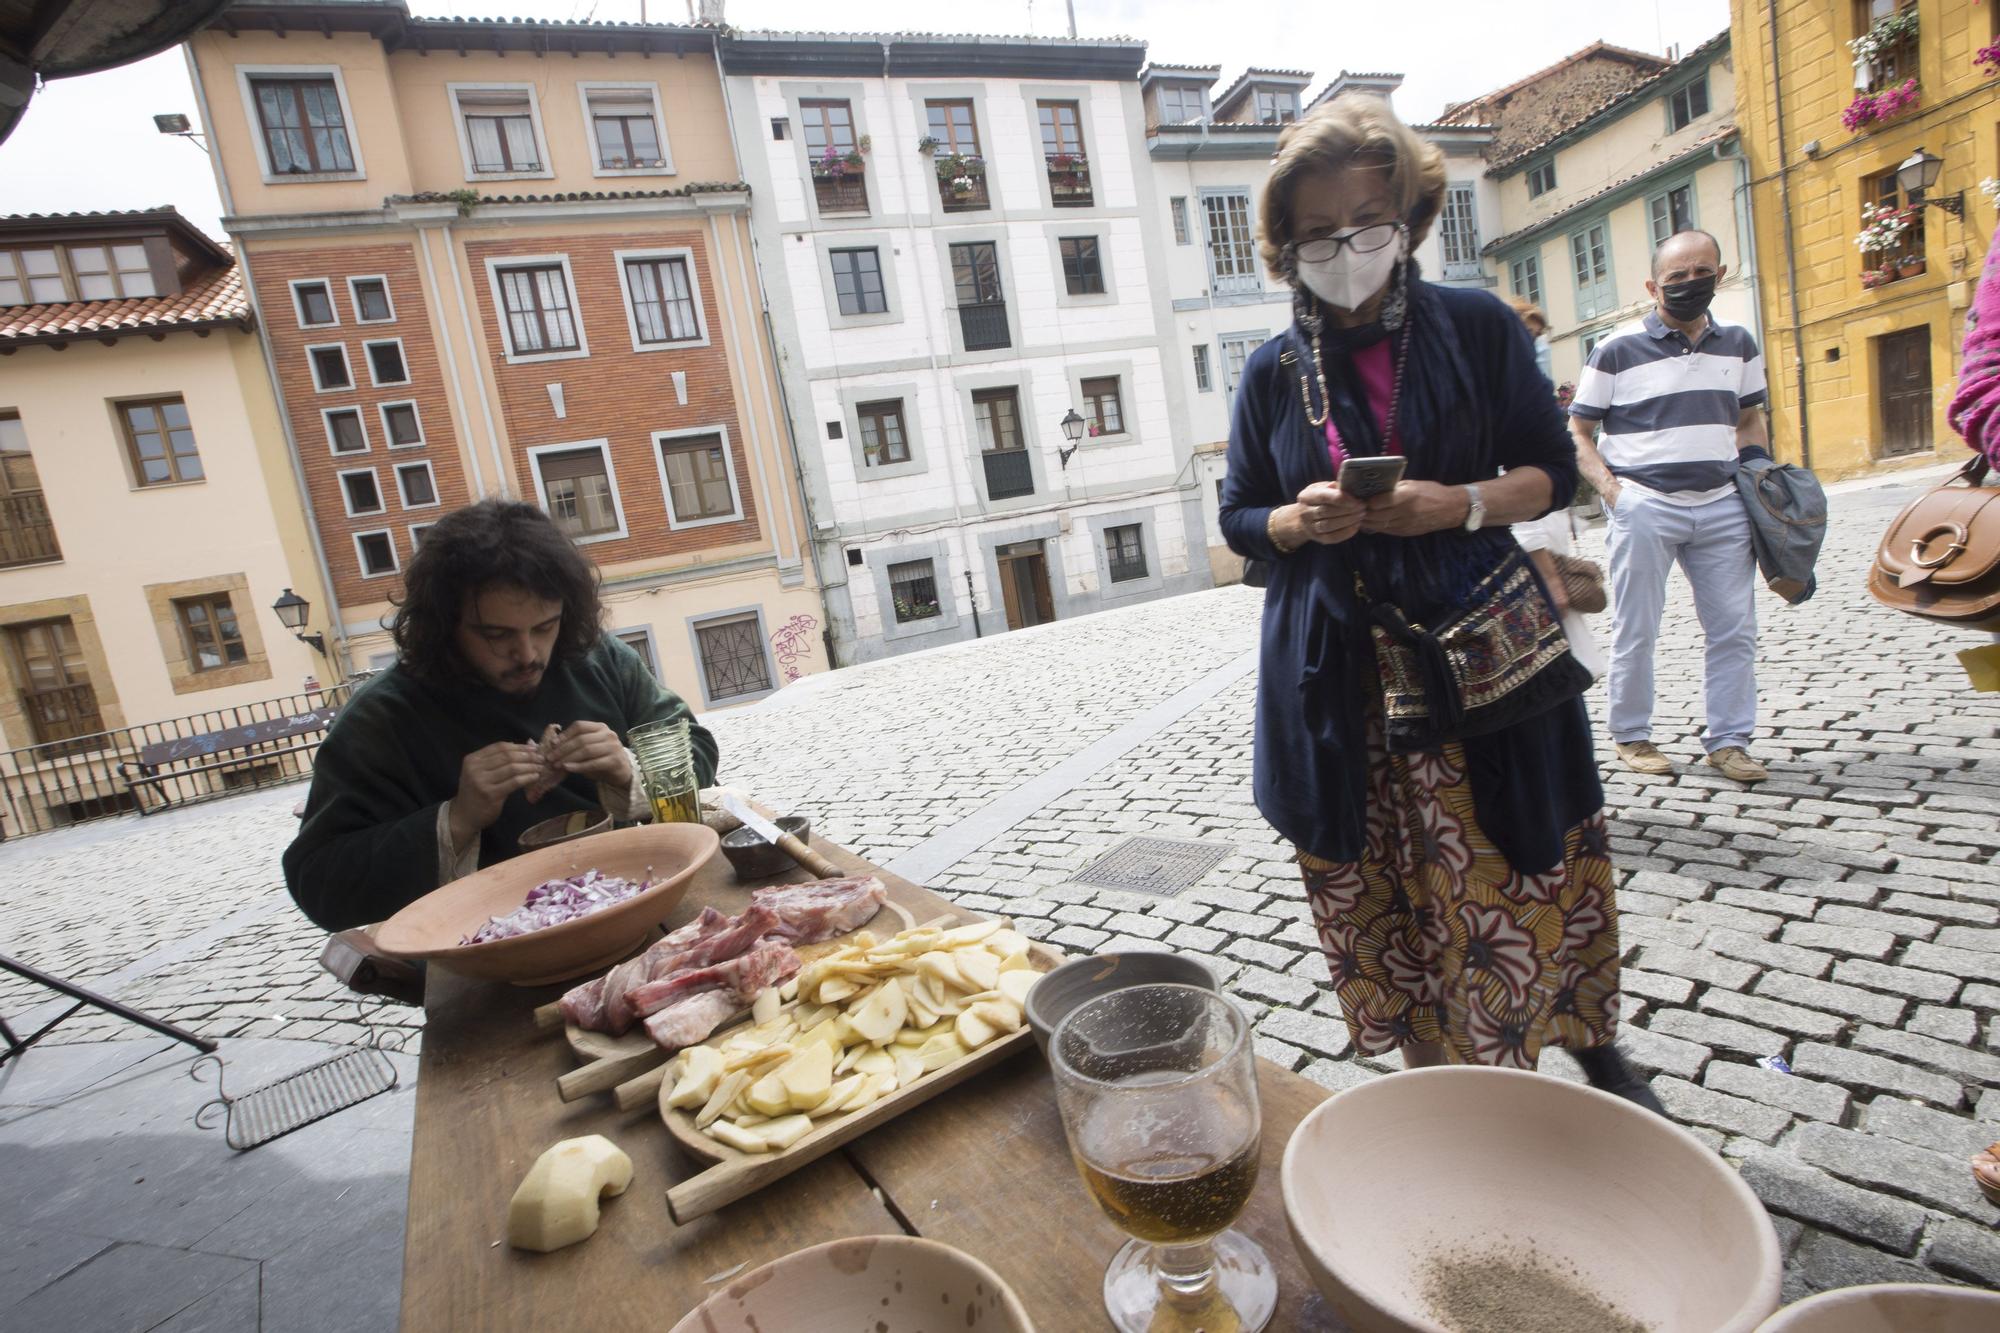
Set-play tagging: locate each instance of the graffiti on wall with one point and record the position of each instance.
(792, 644)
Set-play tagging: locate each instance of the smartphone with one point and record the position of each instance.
(1365, 478)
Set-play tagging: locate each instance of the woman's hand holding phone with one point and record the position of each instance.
(1327, 515)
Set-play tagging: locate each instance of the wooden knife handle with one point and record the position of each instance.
(807, 857)
(604, 1075)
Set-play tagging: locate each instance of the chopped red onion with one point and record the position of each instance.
(557, 901)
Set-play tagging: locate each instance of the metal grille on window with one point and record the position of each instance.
(662, 300)
(1232, 244)
(913, 589)
(1125, 551)
(1458, 233)
(732, 657)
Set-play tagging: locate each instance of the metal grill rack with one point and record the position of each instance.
(1162, 867)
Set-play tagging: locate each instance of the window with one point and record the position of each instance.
(1202, 383)
(1541, 178)
(1688, 104)
(400, 425)
(345, 433)
(1591, 339)
(661, 290)
(417, 531)
(416, 484)
(540, 315)
(1101, 406)
(1900, 63)
(961, 172)
(1125, 552)
(699, 486)
(55, 684)
(304, 130)
(75, 273)
(500, 130)
(733, 664)
(1276, 105)
(371, 300)
(31, 277)
(624, 131)
(913, 590)
(1525, 276)
(1236, 349)
(329, 367)
(385, 362)
(577, 491)
(27, 534)
(828, 125)
(1885, 192)
(1180, 103)
(1177, 206)
(361, 492)
(377, 553)
(209, 632)
(1458, 232)
(781, 129)
(161, 441)
(314, 302)
(1590, 256)
(857, 282)
(1083, 274)
(1671, 211)
(883, 439)
(1062, 129)
(952, 125)
(997, 414)
(640, 641)
(1232, 242)
(982, 306)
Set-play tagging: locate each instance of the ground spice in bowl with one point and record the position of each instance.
(1516, 1293)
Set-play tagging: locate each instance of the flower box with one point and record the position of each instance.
(1873, 108)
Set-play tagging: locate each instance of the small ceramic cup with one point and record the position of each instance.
(1081, 979)
(753, 858)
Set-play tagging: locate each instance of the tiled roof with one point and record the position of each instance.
(1693, 150)
(1180, 73)
(1253, 75)
(144, 220)
(215, 299)
(1599, 48)
(1583, 116)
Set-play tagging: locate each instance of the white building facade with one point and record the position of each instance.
(955, 242)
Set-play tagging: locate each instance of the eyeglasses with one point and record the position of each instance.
(1363, 240)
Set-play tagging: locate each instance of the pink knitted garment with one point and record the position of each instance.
(1975, 409)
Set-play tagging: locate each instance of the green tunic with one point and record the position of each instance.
(369, 846)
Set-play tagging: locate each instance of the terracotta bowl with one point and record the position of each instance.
(432, 926)
(1890, 1308)
(891, 1284)
(1466, 1161)
(565, 828)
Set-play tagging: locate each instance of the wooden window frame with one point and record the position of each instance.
(585, 88)
(876, 411)
(1070, 250)
(402, 493)
(603, 447)
(1666, 196)
(209, 600)
(368, 355)
(346, 364)
(666, 441)
(1458, 228)
(684, 256)
(1094, 401)
(1283, 101)
(12, 634)
(395, 557)
(1531, 265)
(948, 144)
(1008, 393)
(249, 76)
(389, 435)
(497, 269)
(122, 410)
(1177, 209)
(354, 297)
(326, 416)
(1686, 92)
(1204, 377)
(347, 498)
(822, 105)
(1058, 106)
(1241, 251)
(1181, 92)
(1602, 301)
(462, 119)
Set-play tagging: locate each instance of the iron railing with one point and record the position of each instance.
(970, 198)
(1069, 187)
(159, 765)
(1008, 473)
(841, 194)
(27, 533)
(984, 326)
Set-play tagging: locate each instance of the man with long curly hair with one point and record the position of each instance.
(509, 704)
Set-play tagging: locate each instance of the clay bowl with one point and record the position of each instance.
(893, 1284)
(1890, 1308)
(565, 828)
(753, 858)
(1080, 979)
(1471, 1161)
(432, 926)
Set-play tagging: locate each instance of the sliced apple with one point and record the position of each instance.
(769, 1095)
(718, 1101)
(764, 1008)
(807, 1076)
(1000, 1015)
(979, 968)
(875, 1060)
(700, 1070)
(557, 1202)
(941, 1051)
(1015, 985)
(783, 1132)
(743, 1140)
(883, 1016)
(959, 937)
(909, 1066)
(973, 1031)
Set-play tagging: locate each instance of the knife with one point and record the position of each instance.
(771, 833)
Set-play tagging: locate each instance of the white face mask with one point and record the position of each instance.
(1349, 279)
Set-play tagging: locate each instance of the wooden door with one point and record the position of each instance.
(1010, 597)
(1903, 384)
(1024, 584)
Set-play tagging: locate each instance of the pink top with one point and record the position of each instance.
(1975, 410)
(1378, 377)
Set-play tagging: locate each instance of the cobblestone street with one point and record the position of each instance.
(1844, 916)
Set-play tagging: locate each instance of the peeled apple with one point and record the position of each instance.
(557, 1203)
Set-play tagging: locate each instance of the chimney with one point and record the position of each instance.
(710, 11)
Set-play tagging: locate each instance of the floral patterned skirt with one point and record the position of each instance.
(1432, 936)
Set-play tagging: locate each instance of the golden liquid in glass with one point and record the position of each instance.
(1177, 1171)
(680, 807)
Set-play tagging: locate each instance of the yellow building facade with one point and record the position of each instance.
(1862, 365)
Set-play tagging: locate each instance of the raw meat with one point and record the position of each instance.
(585, 1005)
(545, 754)
(692, 1017)
(628, 1001)
(824, 908)
(766, 964)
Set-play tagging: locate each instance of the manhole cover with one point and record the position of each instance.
(1162, 866)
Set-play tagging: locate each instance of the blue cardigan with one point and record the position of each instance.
(1473, 404)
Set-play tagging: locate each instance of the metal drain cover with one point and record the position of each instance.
(1159, 866)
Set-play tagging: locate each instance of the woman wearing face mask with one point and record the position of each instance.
(1463, 896)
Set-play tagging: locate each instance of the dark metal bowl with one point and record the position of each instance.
(1081, 979)
(754, 858)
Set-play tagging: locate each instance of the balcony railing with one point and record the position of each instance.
(964, 193)
(1008, 474)
(846, 193)
(984, 326)
(27, 535)
(1069, 183)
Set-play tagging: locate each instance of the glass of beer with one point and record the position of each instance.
(1158, 1089)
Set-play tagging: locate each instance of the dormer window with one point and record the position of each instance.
(1275, 106)
(40, 275)
(1180, 103)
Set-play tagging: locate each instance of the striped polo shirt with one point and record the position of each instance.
(1669, 407)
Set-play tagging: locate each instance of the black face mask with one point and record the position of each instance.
(1687, 301)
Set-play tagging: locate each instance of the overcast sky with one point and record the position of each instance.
(89, 143)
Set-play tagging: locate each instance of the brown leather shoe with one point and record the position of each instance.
(1735, 762)
(1644, 757)
(1986, 1172)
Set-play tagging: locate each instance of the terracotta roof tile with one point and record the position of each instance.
(215, 298)
(1594, 49)
(1583, 115)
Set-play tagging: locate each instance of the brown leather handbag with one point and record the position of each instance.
(1940, 558)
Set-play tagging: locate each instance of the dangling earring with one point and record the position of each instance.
(1396, 304)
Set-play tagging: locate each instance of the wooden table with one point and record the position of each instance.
(984, 1167)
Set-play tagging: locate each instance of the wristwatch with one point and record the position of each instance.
(1475, 514)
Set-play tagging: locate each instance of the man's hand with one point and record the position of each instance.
(1417, 507)
(485, 780)
(1609, 495)
(1324, 514)
(594, 751)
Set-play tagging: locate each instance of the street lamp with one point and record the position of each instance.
(178, 125)
(1072, 429)
(292, 612)
(1918, 173)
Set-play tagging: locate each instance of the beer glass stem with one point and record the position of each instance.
(1187, 1272)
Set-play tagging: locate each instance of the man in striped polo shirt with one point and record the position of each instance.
(1679, 399)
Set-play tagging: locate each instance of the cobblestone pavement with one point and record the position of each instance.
(1844, 915)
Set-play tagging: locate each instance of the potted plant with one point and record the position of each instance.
(1913, 266)
(1871, 48)
(929, 145)
(830, 165)
(1066, 168)
(1988, 59)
